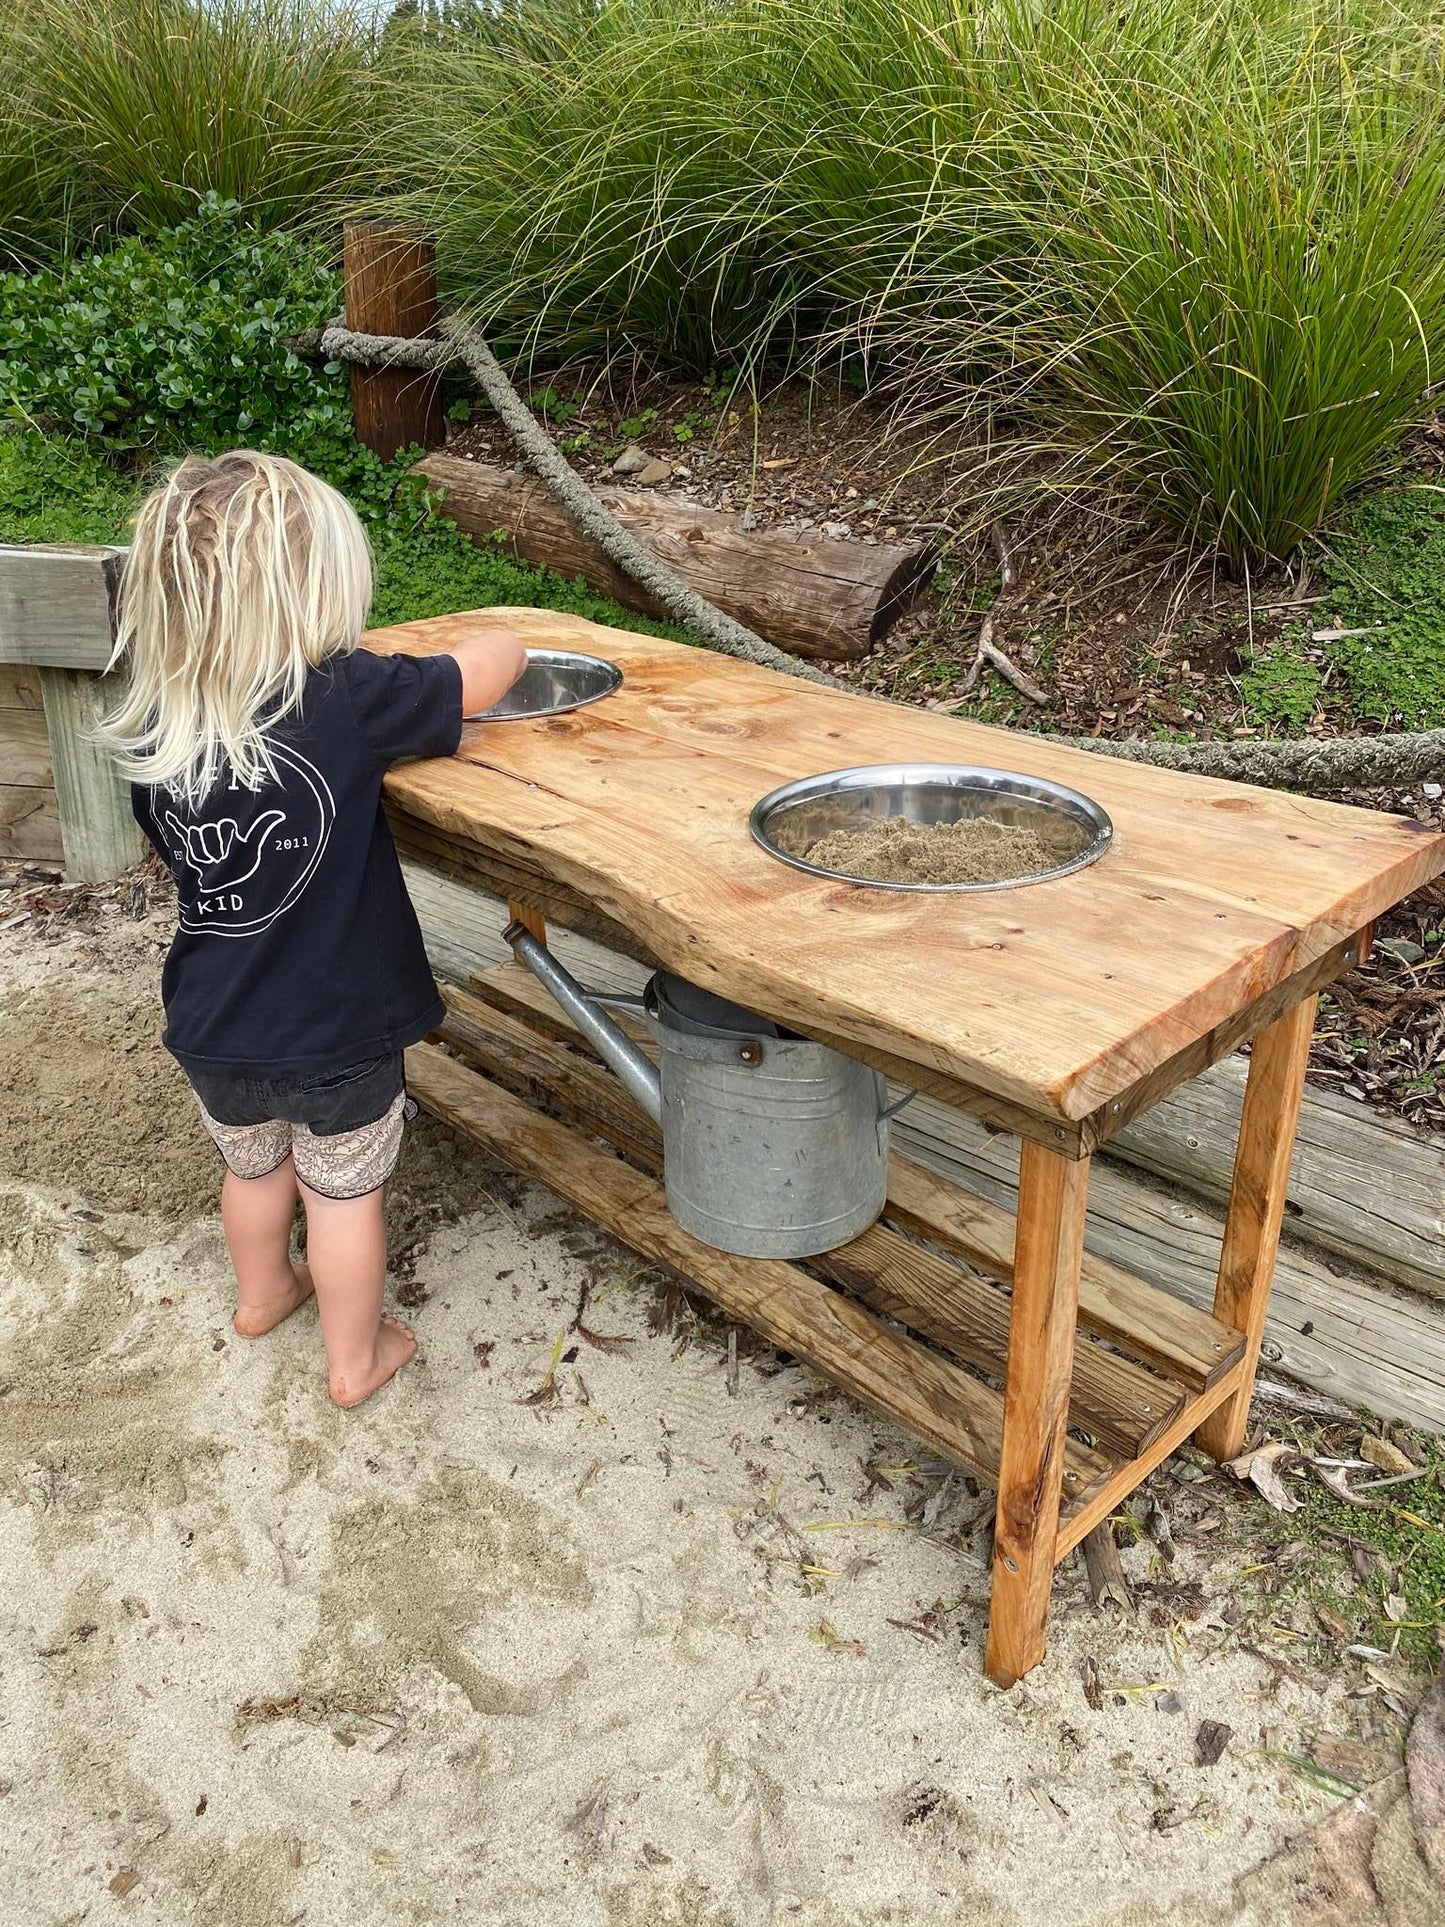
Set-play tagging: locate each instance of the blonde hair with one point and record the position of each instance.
(245, 572)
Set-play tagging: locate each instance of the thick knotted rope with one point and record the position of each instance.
(1337, 763)
(460, 344)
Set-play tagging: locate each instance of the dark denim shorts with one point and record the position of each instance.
(328, 1102)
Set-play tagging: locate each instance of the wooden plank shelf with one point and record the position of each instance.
(850, 1333)
(1123, 1404)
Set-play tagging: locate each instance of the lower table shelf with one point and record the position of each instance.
(912, 1317)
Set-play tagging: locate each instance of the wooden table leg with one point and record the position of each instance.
(1256, 1206)
(534, 921)
(1049, 1246)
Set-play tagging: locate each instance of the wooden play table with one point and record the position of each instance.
(1057, 1012)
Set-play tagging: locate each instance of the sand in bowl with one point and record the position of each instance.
(973, 850)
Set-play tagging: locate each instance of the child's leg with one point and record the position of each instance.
(257, 1214)
(346, 1248)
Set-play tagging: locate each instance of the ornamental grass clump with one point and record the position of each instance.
(1191, 252)
(1232, 302)
(586, 171)
(125, 113)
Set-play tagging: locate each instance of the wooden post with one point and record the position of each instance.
(57, 614)
(1256, 1206)
(532, 920)
(100, 835)
(391, 289)
(29, 825)
(1048, 1253)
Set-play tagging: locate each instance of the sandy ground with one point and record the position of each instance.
(640, 1653)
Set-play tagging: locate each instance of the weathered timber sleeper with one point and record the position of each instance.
(58, 790)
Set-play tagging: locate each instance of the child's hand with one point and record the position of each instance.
(491, 661)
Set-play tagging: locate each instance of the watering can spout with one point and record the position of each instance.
(636, 1070)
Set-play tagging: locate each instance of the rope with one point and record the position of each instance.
(462, 344)
(1368, 762)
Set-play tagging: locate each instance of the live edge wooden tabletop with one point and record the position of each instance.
(1060, 999)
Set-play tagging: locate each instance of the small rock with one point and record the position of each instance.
(1401, 949)
(1210, 1741)
(870, 504)
(1168, 1703)
(1432, 790)
(836, 531)
(653, 471)
(747, 522)
(631, 461)
(683, 474)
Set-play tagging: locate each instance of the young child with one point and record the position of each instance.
(256, 735)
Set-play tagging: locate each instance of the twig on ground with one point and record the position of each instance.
(988, 655)
(1270, 1391)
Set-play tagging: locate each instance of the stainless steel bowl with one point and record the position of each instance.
(554, 681)
(790, 820)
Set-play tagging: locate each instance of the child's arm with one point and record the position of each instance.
(490, 661)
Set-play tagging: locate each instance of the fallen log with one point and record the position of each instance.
(802, 590)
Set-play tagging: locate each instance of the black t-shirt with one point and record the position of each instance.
(298, 949)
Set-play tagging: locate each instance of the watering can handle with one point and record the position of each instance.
(892, 1110)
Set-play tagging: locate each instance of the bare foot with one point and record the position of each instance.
(254, 1321)
(395, 1345)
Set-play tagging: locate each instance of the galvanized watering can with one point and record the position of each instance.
(773, 1146)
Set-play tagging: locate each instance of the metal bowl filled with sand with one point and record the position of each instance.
(931, 826)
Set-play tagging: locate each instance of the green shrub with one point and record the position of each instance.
(125, 113)
(175, 342)
(53, 490)
(131, 357)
